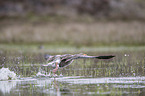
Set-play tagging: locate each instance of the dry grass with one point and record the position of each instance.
(95, 33)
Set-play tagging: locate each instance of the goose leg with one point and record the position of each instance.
(56, 68)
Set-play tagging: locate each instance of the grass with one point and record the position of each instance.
(26, 60)
(62, 49)
(75, 33)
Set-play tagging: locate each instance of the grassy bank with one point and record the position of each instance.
(65, 49)
(75, 33)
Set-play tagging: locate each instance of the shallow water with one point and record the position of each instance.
(122, 75)
(73, 86)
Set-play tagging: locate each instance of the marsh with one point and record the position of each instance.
(122, 75)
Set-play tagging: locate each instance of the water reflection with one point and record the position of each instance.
(54, 87)
(65, 86)
(6, 86)
(44, 85)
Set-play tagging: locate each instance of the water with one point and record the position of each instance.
(120, 76)
(73, 86)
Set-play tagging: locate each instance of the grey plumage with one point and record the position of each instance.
(67, 59)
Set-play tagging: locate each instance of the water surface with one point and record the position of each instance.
(122, 75)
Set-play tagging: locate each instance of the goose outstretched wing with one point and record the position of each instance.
(98, 57)
(68, 58)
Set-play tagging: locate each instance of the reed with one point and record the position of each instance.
(76, 33)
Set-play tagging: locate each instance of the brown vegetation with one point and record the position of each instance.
(74, 22)
(108, 9)
(97, 33)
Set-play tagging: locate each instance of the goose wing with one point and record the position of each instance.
(66, 60)
(98, 57)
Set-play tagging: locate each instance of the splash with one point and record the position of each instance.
(39, 74)
(42, 73)
(6, 74)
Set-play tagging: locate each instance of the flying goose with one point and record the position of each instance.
(61, 61)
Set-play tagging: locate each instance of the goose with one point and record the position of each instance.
(61, 61)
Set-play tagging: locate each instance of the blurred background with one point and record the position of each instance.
(73, 22)
(29, 29)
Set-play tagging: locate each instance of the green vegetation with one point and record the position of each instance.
(62, 49)
(26, 60)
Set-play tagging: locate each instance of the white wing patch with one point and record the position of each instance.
(58, 61)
